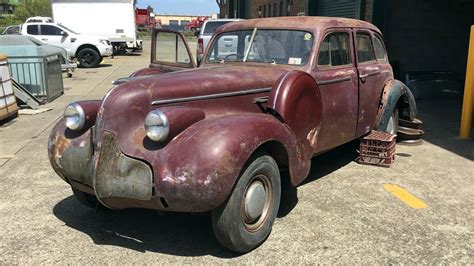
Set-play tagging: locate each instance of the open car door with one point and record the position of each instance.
(170, 51)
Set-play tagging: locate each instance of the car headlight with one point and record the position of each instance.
(157, 126)
(104, 42)
(74, 116)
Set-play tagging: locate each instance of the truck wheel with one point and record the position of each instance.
(88, 57)
(85, 198)
(392, 125)
(245, 220)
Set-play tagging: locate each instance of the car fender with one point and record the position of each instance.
(73, 163)
(146, 72)
(395, 95)
(197, 170)
(296, 99)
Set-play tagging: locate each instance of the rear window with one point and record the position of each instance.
(32, 29)
(211, 26)
(365, 51)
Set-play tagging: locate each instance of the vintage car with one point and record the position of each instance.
(270, 94)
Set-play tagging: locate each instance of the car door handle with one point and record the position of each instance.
(44, 39)
(363, 76)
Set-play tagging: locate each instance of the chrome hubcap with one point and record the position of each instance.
(254, 201)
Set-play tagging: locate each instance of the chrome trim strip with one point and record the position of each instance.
(212, 96)
(325, 82)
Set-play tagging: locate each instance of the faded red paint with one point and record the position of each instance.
(211, 139)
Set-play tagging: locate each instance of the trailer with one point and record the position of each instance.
(145, 19)
(113, 19)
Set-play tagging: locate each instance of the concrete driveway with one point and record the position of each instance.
(341, 214)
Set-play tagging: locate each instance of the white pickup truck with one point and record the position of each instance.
(88, 49)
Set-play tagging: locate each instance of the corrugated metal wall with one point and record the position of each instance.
(339, 8)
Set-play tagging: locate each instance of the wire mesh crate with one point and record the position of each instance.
(377, 148)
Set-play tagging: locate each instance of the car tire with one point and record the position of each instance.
(85, 198)
(88, 57)
(245, 220)
(392, 125)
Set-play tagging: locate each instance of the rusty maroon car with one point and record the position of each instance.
(270, 94)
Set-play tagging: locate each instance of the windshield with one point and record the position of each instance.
(68, 29)
(288, 47)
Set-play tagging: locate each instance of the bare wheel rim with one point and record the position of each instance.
(256, 202)
(391, 125)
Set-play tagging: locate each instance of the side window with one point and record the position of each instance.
(365, 51)
(379, 48)
(32, 29)
(50, 30)
(170, 48)
(335, 50)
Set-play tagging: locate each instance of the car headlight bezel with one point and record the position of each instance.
(74, 116)
(157, 126)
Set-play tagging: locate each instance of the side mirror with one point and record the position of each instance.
(196, 32)
(63, 33)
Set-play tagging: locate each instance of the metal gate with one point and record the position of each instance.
(339, 8)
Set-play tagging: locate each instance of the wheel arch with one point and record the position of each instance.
(279, 153)
(210, 167)
(395, 94)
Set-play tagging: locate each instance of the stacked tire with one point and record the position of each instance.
(409, 132)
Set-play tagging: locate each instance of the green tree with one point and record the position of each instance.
(32, 8)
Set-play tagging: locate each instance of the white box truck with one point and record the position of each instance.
(114, 19)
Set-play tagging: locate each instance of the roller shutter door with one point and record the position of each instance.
(339, 8)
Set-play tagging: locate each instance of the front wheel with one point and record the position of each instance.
(246, 219)
(88, 57)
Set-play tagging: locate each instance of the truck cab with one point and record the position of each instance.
(88, 49)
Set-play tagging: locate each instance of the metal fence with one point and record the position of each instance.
(40, 75)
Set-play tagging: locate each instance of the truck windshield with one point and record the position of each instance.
(211, 26)
(273, 46)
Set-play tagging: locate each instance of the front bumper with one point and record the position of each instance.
(105, 50)
(117, 180)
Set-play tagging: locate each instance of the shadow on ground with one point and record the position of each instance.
(321, 166)
(440, 110)
(143, 230)
(175, 233)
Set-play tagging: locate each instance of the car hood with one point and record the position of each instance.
(204, 81)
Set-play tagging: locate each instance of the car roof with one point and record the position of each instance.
(312, 23)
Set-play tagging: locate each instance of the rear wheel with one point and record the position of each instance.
(86, 199)
(246, 219)
(88, 57)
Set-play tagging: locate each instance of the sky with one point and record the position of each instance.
(181, 7)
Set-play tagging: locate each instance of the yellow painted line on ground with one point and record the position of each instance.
(405, 196)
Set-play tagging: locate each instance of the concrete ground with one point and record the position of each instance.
(341, 214)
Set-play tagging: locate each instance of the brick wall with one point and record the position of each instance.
(271, 8)
(367, 10)
(299, 6)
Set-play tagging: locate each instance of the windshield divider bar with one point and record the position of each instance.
(250, 45)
